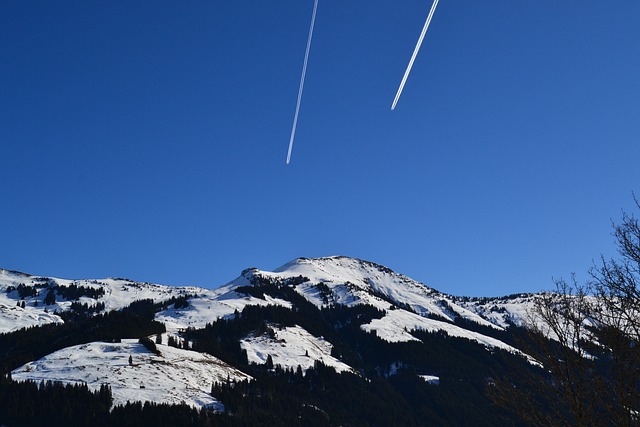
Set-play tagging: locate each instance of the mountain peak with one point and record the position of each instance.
(337, 261)
(349, 281)
(339, 267)
(352, 281)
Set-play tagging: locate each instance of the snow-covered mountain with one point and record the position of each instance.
(354, 281)
(408, 304)
(180, 375)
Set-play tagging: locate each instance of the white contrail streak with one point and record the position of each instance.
(304, 73)
(415, 53)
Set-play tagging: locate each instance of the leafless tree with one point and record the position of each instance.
(587, 338)
(616, 284)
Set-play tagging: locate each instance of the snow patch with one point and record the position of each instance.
(431, 379)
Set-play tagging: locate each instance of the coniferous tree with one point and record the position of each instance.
(50, 298)
(269, 362)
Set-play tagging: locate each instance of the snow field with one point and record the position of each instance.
(175, 376)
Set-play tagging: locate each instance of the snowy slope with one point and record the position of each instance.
(408, 304)
(174, 376)
(502, 311)
(210, 306)
(394, 325)
(13, 316)
(291, 347)
(115, 294)
(354, 281)
(205, 305)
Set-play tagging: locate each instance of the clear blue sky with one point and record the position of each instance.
(147, 139)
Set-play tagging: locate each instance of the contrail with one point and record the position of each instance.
(415, 53)
(304, 73)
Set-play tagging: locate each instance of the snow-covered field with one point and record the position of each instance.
(174, 376)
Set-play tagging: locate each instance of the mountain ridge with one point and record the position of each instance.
(367, 301)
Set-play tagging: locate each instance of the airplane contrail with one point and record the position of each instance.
(415, 53)
(304, 73)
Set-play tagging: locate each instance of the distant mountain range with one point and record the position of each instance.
(326, 341)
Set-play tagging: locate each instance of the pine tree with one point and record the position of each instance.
(50, 298)
(269, 362)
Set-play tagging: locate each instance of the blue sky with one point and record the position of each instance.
(148, 139)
